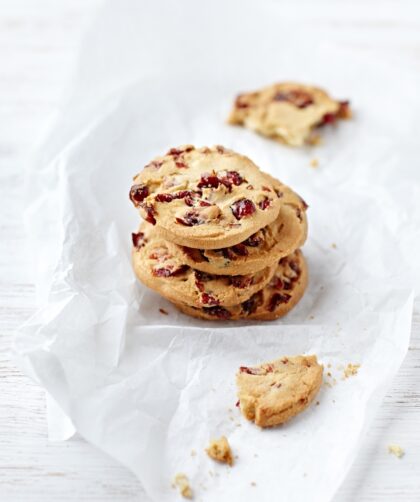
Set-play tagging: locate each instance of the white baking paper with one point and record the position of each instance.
(148, 388)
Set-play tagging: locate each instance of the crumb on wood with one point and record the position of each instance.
(163, 311)
(396, 450)
(314, 162)
(350, 370)
(181, 482)
(219, 449)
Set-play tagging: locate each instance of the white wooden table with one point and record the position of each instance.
(38, 43)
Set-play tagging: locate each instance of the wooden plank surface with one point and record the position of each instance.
(38, 44)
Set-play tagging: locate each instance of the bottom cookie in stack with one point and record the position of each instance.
(274, 300)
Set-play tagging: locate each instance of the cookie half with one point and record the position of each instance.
(288, 112)
(263, 248)
(156, 263)
(205, 198)
(275, 300)
(272, 393)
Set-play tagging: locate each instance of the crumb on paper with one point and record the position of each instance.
(334, 245)
(311, 317)
(329, 365)
(314, 162)
(253, 483)
(193, 453)
(219, 449)
(163, 311)
(396, 450)
(317, 403)
(181, 482)
(329, 373)
(350, 370)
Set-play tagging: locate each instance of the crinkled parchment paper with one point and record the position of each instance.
(148, 388)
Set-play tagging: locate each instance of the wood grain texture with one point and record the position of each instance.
(38, 43)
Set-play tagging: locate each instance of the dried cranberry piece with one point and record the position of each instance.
(150, 214)
(287, 284)
(240, 249)
(242, 208)
(220, 148)
(164, 197)
(250, 371)
(240, 103)
(253, 241)
(209, 299)
(162, 272)
(138, 193)
(204, 203)
(156, 164)
(294, 266)
(218, 311)
(175, 152)
(231, 178)
(208, 181)
(277, 299)
(138, 240)
(279, 193)
(203, 276)
(190, 219)
(241, 281)
(276, 283)
(181, 165)
(199, 285)
(250, 306)
(169, 271)
(266, 189)
(328, 118)
(263, 204)
(237, 403)
(228, 254)
(305, 205)
(297, 97)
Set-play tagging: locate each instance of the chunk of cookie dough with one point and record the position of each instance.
(272, 393)
(205, 198)
(263, 248)
(219, 449)
(289, 112)
(158, 264)
(275, 300)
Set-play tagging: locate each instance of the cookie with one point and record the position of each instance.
(219, 449)
(263, 248)
(288, 112)
(272, 393)
(275, 300)
(156, 264)
(205, 198)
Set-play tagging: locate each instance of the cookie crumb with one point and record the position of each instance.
(311, 317)
(317, 403)
(193, 453)
(253, 483)
(219, 450)
(163, 311)
(314, 163)
(396, 450)
(329, 365)
(350, 370)
(334, 245)
(181, 482)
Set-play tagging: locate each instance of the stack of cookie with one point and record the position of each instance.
(220, 238)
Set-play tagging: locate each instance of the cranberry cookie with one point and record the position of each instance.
(157, 265)
(288, 112)
(263, 248)
(272, 393)
(275, 300)
(205, 198)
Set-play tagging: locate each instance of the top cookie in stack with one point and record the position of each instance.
(221, 236)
